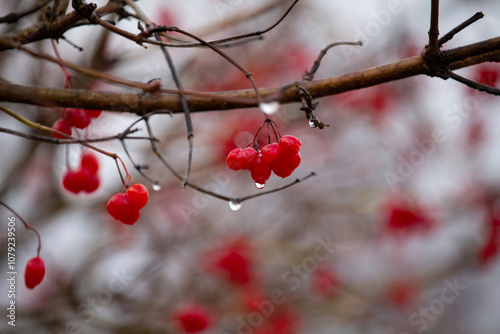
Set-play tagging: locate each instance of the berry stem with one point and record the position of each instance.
(67, 76)
(27, 226)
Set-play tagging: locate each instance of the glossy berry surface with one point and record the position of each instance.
(247, 158)
(137, 195)
(119, 207)
(289, 145)
(231, 159)
(76, 117)
(90, 162)
(34, 272)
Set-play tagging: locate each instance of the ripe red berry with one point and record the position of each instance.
(192, 318)
(231, 159)
(281, 169)
(94, 113)
(62, 126)
(73, 181)
(292, 161)
(34, 273)
(289, 145)
(261, 172)
(247, 158)
(270, 152)
(76, 117)
(132, 217)
(137, 195)
(90, 180)
(119, 207)
(90, 162)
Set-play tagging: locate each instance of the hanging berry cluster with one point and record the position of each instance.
(85, 178)
(73, 118)
(282, 157)
(125, 206)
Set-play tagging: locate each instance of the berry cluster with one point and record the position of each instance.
(34, 273)
(85, 178)
(282, 158)
(71, 117)
(125, 206)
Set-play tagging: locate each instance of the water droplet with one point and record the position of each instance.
(259, 185)
(313, 122)
(269, 108)
(156, 186)
(234, 205)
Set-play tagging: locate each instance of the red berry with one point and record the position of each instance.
(289, 145)
(94, 113)
(90, 162)
(192, 318)
(292, 161)
(231, 159)
(76, 117)
(119, 207)
(132, 217)
(247, 158)
(34, 273)
(62, 126)
(261, 171)
(91, 180)
(281, 169)
(270, 152)
(73, 181)
(137, 195)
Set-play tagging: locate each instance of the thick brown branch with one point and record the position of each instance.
(472, 54)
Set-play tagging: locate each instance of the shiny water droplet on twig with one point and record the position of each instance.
(269, 108)
(235, 205)
(156, 186)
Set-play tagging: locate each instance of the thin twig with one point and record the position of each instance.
(14, 17)
(27, 226)
(476, 85)
(457, 29)
(433, 49)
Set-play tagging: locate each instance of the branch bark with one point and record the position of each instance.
(141, 103)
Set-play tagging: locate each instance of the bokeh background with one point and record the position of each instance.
(397, 234)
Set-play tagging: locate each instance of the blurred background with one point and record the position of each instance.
(397, 234)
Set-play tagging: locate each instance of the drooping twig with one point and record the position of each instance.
(27, 226)
(476, 85)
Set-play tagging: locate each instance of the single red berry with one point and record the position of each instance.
(90, 162)
(34, 273)
(137, 195)
(231, 159)
(270, 152)
(289, 145)
(132, 217)
(281, 169)
(261, 172)
(76, 117)
(192, 318)
(62, 126)
(119, 207)
(247, 158)
(91, 180)
(292, 161)
(73, 182)
(94, 113)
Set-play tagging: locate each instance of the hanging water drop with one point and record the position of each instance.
(235, 205)
(156, 186)
(269, 108)
(313, 121)
(259, 185)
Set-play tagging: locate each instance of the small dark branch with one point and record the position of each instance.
(308, 106)
(14, 17)
(309, 75)
(433, 50)
(456, 30)
(475, 85)
(26, 225)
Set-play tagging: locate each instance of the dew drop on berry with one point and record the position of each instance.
(235, 205)
(269, 108)
(259, 185)
(156, 186)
